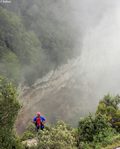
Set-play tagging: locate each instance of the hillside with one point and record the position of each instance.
(19, 49)
(97, 131)
(33, 39)
(58, 95)
(59, 57)
(94, 131)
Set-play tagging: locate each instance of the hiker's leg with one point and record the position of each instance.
(36, 127)
(42, 126)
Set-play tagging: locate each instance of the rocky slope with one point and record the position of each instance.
(62, 94)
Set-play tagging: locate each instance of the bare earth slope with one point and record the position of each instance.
(62, 94)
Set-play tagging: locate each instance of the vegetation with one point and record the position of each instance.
(59, 136)
(95, 131)
(51, 22)
(113, 144)
(101, 129)
(98, 131)
(20, 50)
(9, 107)
(109, 107)
(29, 50)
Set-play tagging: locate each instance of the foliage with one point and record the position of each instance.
(37, 40)
(98, 131)
(9, 107)
(109, 107)
(59, 137)
(10, 66)
(90, 127)
(51, 23)
(113, 144)
(29, 133)
(20, 50)
(93, 131)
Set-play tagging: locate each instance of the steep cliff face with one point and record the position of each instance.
(62, 94)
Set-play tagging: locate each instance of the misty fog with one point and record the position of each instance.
(97, 28)
(101, 46)
(84, 33)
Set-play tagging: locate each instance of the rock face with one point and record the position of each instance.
(62, 94)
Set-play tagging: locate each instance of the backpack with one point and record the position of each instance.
(38, 121)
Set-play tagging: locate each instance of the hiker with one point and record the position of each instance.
(39, 121)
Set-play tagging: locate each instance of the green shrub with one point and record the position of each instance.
(29, 133)
(93, 131)
(58, 137)
(98, 131)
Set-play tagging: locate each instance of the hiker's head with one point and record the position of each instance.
(38, 113)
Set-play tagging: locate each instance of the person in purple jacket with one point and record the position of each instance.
(39, 121)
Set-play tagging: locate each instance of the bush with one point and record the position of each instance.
(96, 130)
(29, 133)
(58, 137)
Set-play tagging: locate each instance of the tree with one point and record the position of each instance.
(109, 107)
(9, 107)
(93, 131)
(20, 50)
